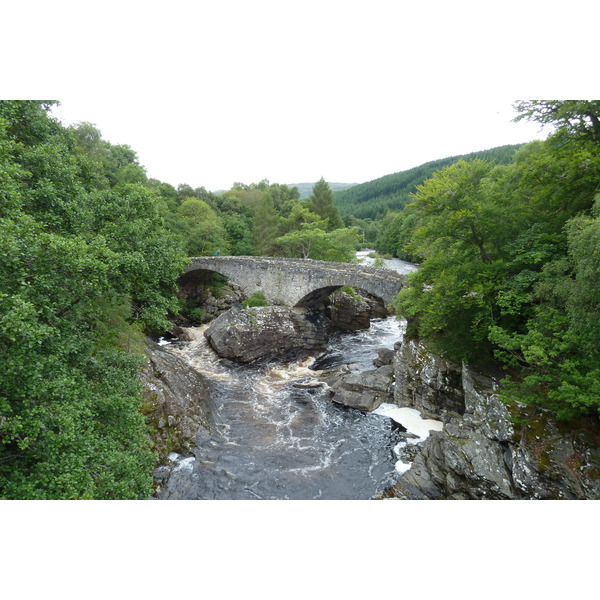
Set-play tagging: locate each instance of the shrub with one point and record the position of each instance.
(255, 299)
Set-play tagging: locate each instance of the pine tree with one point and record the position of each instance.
(321, 203)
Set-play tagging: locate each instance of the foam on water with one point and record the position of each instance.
(279, 435)
(411, 420)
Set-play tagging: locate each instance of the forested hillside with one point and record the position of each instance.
(510, 261)
(305, 189)
(371, 200)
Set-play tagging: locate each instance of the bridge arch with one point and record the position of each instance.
(292, 282)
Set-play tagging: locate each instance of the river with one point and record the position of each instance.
(278, 435)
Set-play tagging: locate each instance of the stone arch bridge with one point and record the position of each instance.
(296, 281)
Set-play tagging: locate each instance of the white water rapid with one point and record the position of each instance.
(277, 433)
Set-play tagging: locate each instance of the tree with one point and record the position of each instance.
(321, 202)
(299, 216)
(86, 266)
(202, 228)
(310, 241)
(559, 348)
(575, 117)
(266, 221)
(510, 266)
(451, 300)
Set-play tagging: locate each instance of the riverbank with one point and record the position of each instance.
(371, 416)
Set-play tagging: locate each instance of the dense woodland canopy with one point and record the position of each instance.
(509, 261)
(90, 253)
(508, 242)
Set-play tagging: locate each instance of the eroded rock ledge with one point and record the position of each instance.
(177, 402)
(484, 450)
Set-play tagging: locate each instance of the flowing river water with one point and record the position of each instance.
(278, 435)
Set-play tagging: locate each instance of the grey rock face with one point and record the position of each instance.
(426, 382)
(177, 402)
(246, 335)
(485, 450)
(366, 390)
(349, 312)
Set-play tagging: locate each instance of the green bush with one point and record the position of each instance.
(197, 314)
(255, 299)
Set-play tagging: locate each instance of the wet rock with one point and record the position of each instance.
(366, 390)
(427, 382)
(354, 311)
(176, 402)
(349, 312)
(555, 460)
(486, 449)
(250, 334)
(385, 356)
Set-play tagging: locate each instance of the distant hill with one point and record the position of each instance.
(371, 200)
(305, 189)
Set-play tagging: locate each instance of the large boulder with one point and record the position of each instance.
(354, 311)
(249, 334)
(365, 390)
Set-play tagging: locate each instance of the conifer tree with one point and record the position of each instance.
(321, 203)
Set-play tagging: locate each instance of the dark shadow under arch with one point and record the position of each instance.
(194, 283)
(318, 297)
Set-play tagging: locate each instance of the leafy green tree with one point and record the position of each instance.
(312, 242)
(86, 265)
(369, 229)
(510, 265)
(559, 348)
(202, 228)
(238, 230)
(266, 222)
(395, 233)
(299, 216)
(575, 117)
(71, 425)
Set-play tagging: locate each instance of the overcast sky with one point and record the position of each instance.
(210, 93)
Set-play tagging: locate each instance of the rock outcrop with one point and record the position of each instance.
(177, 402)
(349, 312)
(250, 334)
(214, 306)
(484, 449)
(366, 390)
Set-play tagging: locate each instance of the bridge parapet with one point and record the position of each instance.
(293, 281)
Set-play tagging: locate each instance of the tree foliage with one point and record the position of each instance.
(321, 202)
(86, 265)
(575, 117)
(373, 199)
(510, 262)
